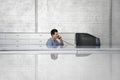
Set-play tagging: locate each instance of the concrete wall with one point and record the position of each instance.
(69, 67)
(116, 23)
(17, 16)
(116, 38)
(89, 16)
(17, 67)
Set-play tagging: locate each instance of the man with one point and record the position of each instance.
(53, 41)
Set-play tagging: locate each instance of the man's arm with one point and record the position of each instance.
(61, 41)
(49, 42)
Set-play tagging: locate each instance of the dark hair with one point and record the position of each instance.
(53, 31)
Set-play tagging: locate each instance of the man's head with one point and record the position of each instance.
(54, 33)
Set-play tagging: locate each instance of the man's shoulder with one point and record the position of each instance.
(50, 39)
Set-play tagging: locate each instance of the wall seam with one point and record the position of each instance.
(36, 67)
(110, 25)
(36, 16)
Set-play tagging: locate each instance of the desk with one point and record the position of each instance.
(35, 63)
(40, 50)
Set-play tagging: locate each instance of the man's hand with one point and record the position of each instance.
(60, 38)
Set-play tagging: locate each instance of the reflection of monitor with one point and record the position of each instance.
(86, 40)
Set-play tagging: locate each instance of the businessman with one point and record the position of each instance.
(55, 39)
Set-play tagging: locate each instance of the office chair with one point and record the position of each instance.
(85, 40)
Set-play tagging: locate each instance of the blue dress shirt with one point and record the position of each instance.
(51, 42)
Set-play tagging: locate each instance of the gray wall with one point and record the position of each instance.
(116, 38)
(69, 67)
(90, 16)
(17, 67)
(116, 23)
(17, 16)
(67, 16)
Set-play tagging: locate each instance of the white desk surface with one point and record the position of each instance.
(30, 50)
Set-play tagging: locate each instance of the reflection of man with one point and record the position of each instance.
(53, 41)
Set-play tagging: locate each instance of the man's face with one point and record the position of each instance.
(55, 36)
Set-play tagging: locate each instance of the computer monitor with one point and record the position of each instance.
(85, 40)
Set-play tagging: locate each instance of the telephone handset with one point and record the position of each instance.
(59, 37)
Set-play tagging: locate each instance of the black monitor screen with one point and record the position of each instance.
(86, 40)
